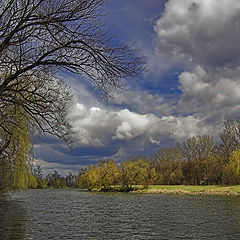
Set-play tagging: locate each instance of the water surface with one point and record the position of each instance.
(72, 214)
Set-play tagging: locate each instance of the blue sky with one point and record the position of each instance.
(192, 85)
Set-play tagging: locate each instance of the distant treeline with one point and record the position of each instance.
(200, 160)
(197, 161)
(35, 179)
(53, 180)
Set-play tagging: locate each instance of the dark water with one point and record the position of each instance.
(71, 214)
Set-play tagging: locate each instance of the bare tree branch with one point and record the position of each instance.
(39, 38)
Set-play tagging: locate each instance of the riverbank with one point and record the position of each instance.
(188, 190)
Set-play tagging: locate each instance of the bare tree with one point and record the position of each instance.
(39, 38)
(230, 138)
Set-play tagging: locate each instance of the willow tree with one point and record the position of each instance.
(20, 120)
(16, 151)
(231, 173)
(39, 39)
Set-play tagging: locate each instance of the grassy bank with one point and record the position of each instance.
(189, 190)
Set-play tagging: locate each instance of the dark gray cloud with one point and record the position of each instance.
(144, 101)
(204, 35)
(200, 31)
(214, 97)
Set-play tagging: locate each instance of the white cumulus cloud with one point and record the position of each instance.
(101, 127)
(204, 35)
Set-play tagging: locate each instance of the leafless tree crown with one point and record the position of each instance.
(39, 37)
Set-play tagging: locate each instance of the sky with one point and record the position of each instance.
(191, 87)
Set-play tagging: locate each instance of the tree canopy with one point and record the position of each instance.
(199, 160)
(40, 38)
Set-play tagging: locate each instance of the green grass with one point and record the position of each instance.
(189, 189)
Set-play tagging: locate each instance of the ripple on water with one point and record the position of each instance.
(72, 214)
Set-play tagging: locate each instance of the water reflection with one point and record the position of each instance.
(12, 220)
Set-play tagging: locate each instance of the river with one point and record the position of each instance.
(72, 214)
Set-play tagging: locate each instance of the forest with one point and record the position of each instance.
(197, 161)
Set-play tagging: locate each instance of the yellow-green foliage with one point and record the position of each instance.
(107, 174)
(16, 158)
(42, 183)
(232, 169)
(198, 161)
(104, 174)
(134, 172)
(32, 181)
(83, 181)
